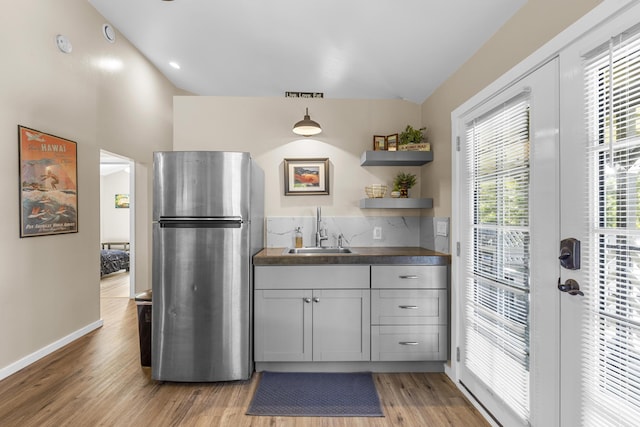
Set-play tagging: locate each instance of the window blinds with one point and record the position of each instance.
(611, 344)
(497, 289)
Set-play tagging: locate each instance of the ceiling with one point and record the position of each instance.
(110, 164)
(362, 49)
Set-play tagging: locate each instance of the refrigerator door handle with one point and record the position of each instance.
(185, 222)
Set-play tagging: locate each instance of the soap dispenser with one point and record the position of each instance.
(298, 238)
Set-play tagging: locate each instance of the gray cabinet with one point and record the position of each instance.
(310, 324)
(351, 313)
(409, 313)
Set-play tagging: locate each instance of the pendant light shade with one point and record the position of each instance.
(306, 126)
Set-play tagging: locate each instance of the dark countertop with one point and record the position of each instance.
(364, 255)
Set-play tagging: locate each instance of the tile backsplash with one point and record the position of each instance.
(359, 231)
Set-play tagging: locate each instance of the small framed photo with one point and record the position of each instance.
(392, 142)
(306, 177)
(122, 201)
(379, 142)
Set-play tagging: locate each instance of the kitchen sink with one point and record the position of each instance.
(316, 251)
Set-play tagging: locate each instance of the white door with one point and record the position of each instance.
(508, 260)
(600, 157)
(546, 345)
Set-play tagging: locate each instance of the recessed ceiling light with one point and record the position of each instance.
(109, 33)
(174, 65)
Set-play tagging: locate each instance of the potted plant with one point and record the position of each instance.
(411, 136)
(403, 182)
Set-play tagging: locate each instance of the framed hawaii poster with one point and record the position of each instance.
(48, 184)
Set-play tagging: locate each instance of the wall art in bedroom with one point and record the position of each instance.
(122, 201)
(48, 184)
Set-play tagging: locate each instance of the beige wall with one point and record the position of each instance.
(537, 22)
(49, 286)
(262, 126)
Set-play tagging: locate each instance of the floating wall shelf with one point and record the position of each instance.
(399, 203)
(395, 158)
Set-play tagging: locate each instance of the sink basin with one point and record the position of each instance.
(318, 251)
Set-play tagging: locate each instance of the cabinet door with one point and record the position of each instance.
(341, 325)
(283, 320)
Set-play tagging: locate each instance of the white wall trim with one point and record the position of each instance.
(132, 229)
(598, 16)
(45, 351)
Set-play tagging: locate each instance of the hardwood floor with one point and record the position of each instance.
(115, 285)
(98, 380)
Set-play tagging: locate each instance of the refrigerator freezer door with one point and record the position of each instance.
(201, 303)
(201, 184)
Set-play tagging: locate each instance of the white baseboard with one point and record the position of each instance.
(45, 351)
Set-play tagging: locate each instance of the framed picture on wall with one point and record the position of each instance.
(306, 177)
(392, 142)
(122, 201)
(48, 184)
(379, 142)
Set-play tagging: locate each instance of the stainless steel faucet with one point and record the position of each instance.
(321, 233)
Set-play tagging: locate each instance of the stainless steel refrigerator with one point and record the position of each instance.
(208, 222)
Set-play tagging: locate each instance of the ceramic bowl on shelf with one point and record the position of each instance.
(375, 191)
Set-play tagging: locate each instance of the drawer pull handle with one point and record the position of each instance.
(316, 299)
(307, 300)
(408, 276)
(408, 307)
(408, 343)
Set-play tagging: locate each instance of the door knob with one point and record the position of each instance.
(570, 286)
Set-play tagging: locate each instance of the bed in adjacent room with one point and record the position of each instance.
(113, 260)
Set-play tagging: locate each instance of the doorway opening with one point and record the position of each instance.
(117, 209)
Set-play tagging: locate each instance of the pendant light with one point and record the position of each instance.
(306, 126)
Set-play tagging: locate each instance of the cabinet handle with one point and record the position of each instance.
(408, 307)
(408, 343)
(408, 276)
(307, 300)
(316, 299)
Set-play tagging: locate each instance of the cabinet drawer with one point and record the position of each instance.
(312, 277)
(409, 343)
(409, 276)
(409, 307)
